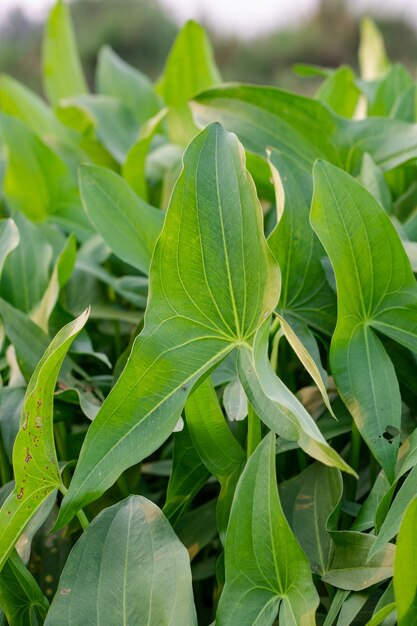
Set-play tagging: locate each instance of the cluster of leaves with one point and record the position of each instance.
(182, 266)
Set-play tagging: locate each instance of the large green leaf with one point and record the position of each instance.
(208, 293)
(34, 456)
(281, 411)
(304, 128)
(128, 568)
(108, 200)
(62, 73)
(266, 570)
(405, 582)
(376, 292)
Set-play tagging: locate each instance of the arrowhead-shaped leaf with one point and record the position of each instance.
(376, 292)
(213, 281)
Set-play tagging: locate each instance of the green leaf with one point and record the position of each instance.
(62, 73)
(211, 299)
(50, 190)
(107, 118)
(26, 271)
(128, 565)
(352, 568)
(108, 200)
(34, 457)
(28, 339)
(197, 528)
(133, 169)
(117, 78)
(394, 84)
(188, 476)
(392, 522)
(189, 69)
(190, 66)
(20, 597)
(18, 101)
(266, 570)
(308, 501)
(277, 407)
(405, 582)
(379, 617)
(340, 92)
(304, 129)
(218, 449)
(376, 292)
(9, 239)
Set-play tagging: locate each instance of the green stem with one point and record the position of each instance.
(60, 434)
(82, 517)
(254, 431)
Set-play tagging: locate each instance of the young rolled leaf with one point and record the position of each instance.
(108, 200)
(267, 573)
(62, 73)
(128, 567)
(34, 457)
(212, 298)
(306, 300)
(376, 292)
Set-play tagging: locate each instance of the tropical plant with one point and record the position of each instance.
(209, 338)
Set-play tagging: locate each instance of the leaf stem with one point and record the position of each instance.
(254, 431)
(82, 517)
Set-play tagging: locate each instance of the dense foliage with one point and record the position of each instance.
(207, 301)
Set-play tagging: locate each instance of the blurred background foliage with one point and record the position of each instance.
(142, 31)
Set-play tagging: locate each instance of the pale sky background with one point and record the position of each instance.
(245, 17)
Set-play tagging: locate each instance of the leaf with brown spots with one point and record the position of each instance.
(34, 457)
